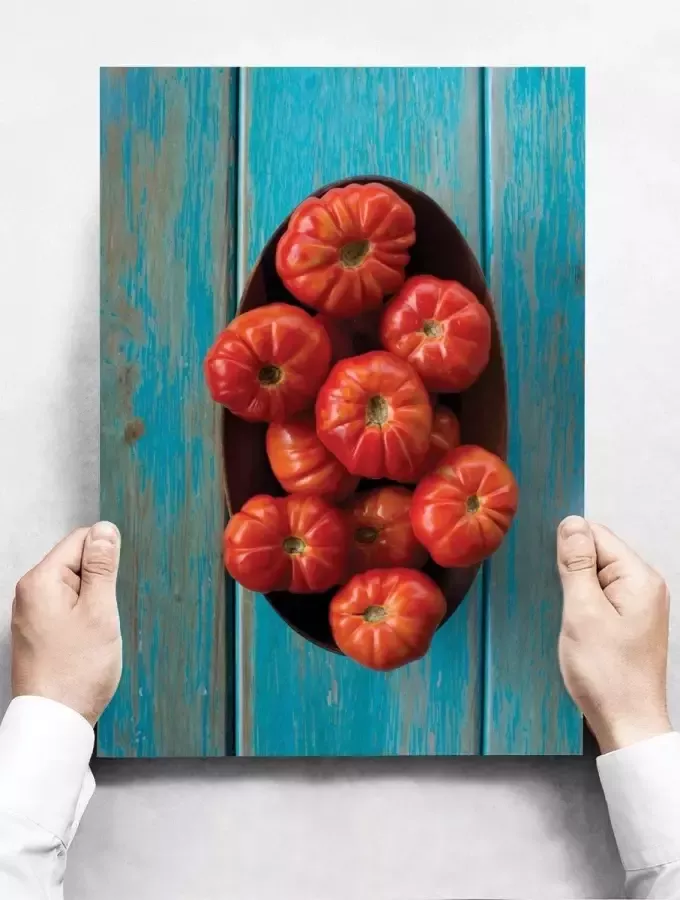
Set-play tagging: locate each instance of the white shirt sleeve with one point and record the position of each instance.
(45, 785)
(641, 784)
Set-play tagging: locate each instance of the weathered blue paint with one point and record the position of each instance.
(167, 210)
(303, 128)
(502, 151)
(535, 200)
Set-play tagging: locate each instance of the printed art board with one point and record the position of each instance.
(199, 169)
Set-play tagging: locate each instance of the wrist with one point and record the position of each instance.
(624, 732)
(55, 694)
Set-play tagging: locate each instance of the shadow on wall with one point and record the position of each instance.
(77, 425)
(5, 687)
(528, 812)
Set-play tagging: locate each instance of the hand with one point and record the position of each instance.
(66, 642)
(614, 639)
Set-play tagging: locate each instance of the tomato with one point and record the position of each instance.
(386, 618)
(301, 463)
(343, 252)
(462, 511)
(445, 435)
(381, 534)
(297, 543)
(442, 329)
(374, 414)
(340, 336)
(269, 363)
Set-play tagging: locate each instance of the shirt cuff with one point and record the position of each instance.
(641, 784)
(45, 750)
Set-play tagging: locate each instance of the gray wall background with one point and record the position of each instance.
(326, 830)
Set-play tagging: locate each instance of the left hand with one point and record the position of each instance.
(66, 642)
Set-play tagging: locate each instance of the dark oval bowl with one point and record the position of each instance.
(441, 250)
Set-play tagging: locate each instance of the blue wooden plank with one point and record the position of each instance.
(167, 211)
(535, 227)
(302, 128)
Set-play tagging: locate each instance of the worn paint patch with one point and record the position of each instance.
(134, 429)
(166, 191)
(536, 264)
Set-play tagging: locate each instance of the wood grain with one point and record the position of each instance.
(304, 128)
(167, 211)
(503, 152)
(536, 256)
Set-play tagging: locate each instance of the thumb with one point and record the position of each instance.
(577, 560)
(99, 566)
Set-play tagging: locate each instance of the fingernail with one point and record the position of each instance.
(105, 531)
(574, 525)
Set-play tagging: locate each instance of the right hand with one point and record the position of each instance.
(66, 642)
(613, 644)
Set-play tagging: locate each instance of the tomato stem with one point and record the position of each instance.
(472, 504)
(432, 329)
(377, 410)
(374, 614)
(366, 534)
(294, 545)
(354, 253)
(269, 375)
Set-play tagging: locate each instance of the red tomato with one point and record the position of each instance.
(386, 618)
(302, 464)
(462, 511)
(269, 363)
(374, 414)
(343, 252)
(442, 329)
(445, 435)
(297, 543)
(381, 534)
(340, 336)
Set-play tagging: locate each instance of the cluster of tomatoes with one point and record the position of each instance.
(336, 418)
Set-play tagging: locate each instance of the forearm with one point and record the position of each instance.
(642, 788)
(45, 785)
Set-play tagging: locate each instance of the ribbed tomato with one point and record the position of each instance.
(442, 329)
(302, 464)
(462, 511)
(445, 435)
(269, 363)
(297, 543)
(381, 534)
(374, 414)
(344, 252)
(386, 618)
